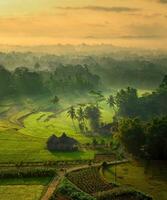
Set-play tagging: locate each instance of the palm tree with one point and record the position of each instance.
(71, 113)
(81, 117)
(111, 102)
(98, 96)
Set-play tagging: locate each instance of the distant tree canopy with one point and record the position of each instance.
(129, 104)
(119, 68)
(27, 82)
(147, 139)
(5, 82)
(134, 72)
(23, 81)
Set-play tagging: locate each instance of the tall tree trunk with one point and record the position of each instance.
(74, 125)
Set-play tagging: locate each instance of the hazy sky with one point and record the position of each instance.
(140, 23)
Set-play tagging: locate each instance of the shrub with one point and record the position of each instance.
(122, 194)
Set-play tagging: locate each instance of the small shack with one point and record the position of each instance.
(62, 143)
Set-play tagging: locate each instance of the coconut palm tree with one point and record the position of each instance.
(72, 114)
(81, 117)
(111, 102)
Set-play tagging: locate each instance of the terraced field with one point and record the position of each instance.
(89, 180)
(16, 147)
(23, 133)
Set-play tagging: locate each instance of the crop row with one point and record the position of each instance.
(89, 180)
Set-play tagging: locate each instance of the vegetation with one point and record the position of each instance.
(149, 177)
(89, 180)
(93, 114)
(129, 104)
(24, 81)
(67, 189)
(122, 194)
(21, 192)
(120, 68)
(27, 173)
(30, 188)
(145, 139)
(70, 100)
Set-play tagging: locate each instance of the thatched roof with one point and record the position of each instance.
(61, 143)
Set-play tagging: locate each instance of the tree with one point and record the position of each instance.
(156, 138)
(127, 101)
(27, 82)
(5, 82)
(71, 113)
(111, 102)
(93, 114)
(81, 118)
(98, 96)
(94, 142)
(37, 66)
(164, 82)
(132, 135)
(55, 99)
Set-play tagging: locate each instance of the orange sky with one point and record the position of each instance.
(139, 23)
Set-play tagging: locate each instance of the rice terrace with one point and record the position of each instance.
(83, 92)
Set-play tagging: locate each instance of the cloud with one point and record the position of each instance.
(148, 30)
(162, 1)
(129, 37)
(102, 9)
(153, 36)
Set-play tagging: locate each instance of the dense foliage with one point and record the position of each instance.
(117, 68)
(122, 194)
(23, 81)
(150, 105)
(147, 139)
(26, 173)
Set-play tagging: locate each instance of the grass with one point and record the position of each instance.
(151, 180)
(21, 192)
(28, 143)
(23, 188)
(16, 147)
(45, 127)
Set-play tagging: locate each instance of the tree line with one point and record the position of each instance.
(65, 79)
(142, 121)
(127, 103)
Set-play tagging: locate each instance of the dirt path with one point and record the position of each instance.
(52, 187)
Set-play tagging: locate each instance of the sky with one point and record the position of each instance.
(129, 23)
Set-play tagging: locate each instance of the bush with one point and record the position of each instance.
(122, 194)
(26, 173)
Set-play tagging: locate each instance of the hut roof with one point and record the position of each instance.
(63, 139)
